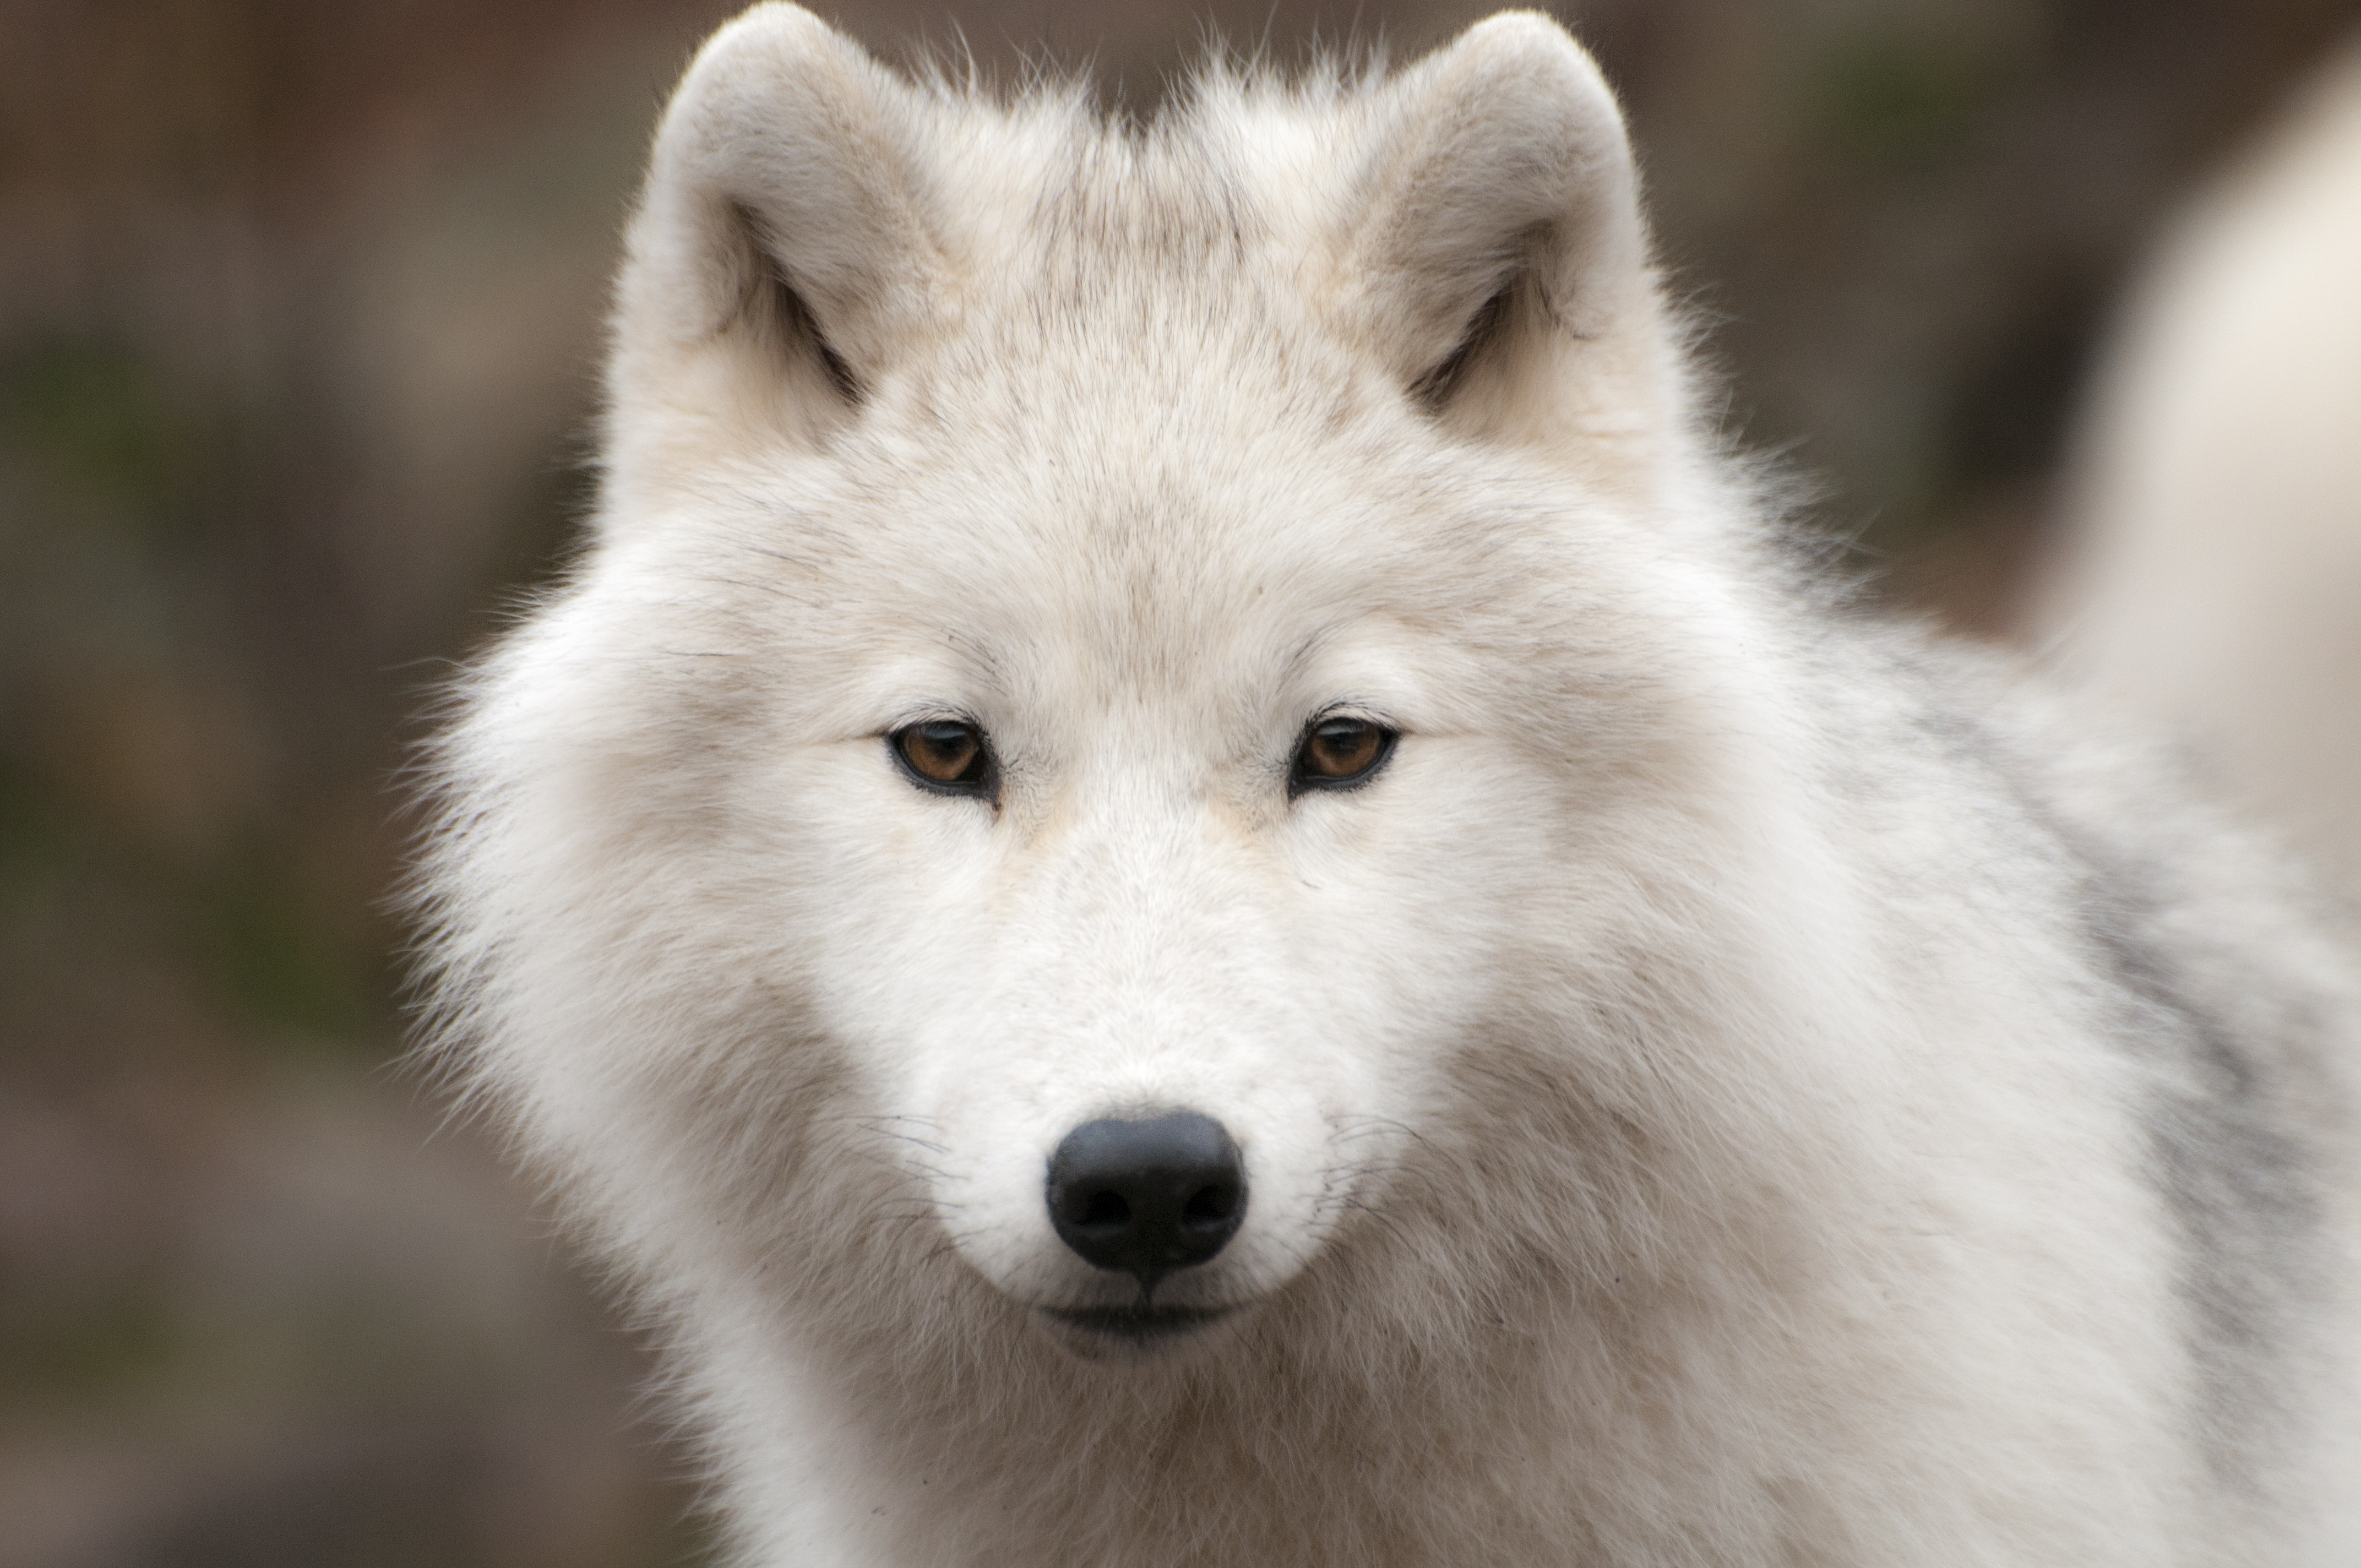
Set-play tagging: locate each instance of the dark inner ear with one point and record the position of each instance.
(796, 327)
(1437, 386)
(1518, 294)
(775, 310)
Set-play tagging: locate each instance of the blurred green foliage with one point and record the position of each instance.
(1902, 100)
(88, 419)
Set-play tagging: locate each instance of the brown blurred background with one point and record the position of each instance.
(299, 312)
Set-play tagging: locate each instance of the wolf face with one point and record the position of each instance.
(1070, 613)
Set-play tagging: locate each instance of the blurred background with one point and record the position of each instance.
(298, 317)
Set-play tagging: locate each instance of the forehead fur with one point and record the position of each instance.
(1191, 183)
(1070, 538)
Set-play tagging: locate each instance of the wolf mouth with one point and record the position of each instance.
(1136, 1326)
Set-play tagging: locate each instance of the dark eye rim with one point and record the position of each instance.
(1301, 780)
(980, 782)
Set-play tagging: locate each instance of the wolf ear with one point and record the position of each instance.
(1497, 261)
(778, 261)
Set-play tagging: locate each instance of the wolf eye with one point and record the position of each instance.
(946, 755)
(1339, 752)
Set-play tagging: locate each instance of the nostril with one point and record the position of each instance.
(1210, 1205)
(1148, 1197)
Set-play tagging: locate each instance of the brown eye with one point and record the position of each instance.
(1339, 752)
(945, 755)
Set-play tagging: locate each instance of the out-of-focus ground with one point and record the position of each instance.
(298, 312)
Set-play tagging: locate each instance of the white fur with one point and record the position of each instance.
(1689, 1114)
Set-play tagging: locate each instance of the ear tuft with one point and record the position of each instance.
(1435, 387)
(779, 261)
(1502, 208)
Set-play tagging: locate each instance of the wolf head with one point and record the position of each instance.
(1109, 756)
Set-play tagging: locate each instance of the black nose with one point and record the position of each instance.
(1148, 1197)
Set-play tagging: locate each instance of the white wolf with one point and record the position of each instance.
(1186, 882)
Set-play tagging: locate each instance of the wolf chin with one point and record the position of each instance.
(1186, 880)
